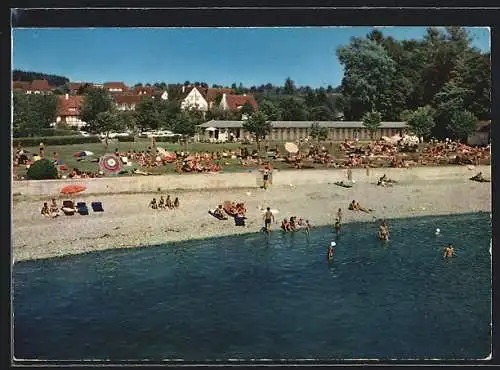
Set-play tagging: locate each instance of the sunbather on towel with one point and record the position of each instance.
(479, 177)
(218, 211)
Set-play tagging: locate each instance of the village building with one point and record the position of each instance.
(34, 87)
(115, 87)
(21, 86)
(297, 130)
(68, 111)
(235, 103)
(126, 102)
(201, 98)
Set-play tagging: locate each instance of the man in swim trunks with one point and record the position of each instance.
(449, 251)
(339, 215)
(337, 225)
(268, 218)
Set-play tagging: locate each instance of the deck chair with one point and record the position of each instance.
(68, 208)
(82, 208)
(97, 207)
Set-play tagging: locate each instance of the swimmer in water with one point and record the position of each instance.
(449, 251)
(329, 256)
(337, 226)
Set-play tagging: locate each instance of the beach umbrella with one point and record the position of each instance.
(73, 189)
(291, 148)
(110, 164)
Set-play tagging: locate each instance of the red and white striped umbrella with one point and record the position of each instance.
(110, 164)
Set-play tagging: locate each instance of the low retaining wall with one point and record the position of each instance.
(137, 184)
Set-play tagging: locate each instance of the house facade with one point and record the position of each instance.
(115, 87)
(298, 130)
(194, 100)
(126, 102)
(235, 103)
(68, 111)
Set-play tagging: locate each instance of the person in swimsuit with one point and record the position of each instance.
(153, 204)
(449, 251)
(339, 215)
(45, 209)
(268, 218)
(176, 202)
(218, 211)
(337, 226)
(330, 253)
(161, 203)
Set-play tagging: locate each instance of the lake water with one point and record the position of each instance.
(266, 297)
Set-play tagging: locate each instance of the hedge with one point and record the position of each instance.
(55, 140)
(58, 132)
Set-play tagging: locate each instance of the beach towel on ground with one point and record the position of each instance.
(97, 207)
(218, 217)
(82, 208)
(239, 220)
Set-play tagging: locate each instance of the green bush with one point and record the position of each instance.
(58, 132)
(125, 139)
(42, 169)
(166, 139)
(55, 140)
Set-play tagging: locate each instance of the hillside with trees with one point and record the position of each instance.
(54, 80)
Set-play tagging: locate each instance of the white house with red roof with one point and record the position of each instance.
(115, 87)
(194, 100)
(127, 102)
(235, 103)
(68, 111)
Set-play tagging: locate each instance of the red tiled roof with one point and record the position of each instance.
(127, 99)
(235, 102)
(40, 85)
(211, 93)
(74, 86)
(21, 85)
(145, 90)
(70, 106)
(115, 85)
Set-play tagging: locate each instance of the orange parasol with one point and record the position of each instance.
(73, 189)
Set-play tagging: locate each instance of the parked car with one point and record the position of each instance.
(84, 133)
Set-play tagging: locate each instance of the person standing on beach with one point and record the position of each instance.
(268, 218)
(349, 174)
(339, 215)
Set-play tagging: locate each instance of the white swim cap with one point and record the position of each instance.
(333, 244)
(437, 230)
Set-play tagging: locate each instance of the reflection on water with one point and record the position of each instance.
(266, 296)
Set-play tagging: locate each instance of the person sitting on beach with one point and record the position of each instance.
(218, 212)
(168, 203)
(153, 204)
(362, 209)
(285, 225)
(53, 207)
(479, 177)
(45, 209)
(240, 208)
(353, 206)
(292, 224)
(161, 203)
(449, 251)
(300, 223)
(176, 202)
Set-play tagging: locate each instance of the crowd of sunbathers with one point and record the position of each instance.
(163, 203)
(293, 224)
(75, 173)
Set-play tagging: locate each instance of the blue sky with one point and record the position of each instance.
(252, 56)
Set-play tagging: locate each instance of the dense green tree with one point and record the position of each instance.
(372, 120)
(461, 125)
(271, 110)
(289, 87)
(321, 113)
(421, 121)
(105, 122)
(318, 132)
(95, 101)
(293, 109)
(368, 71)
(43, 169)
(247, 109)
(32, 113)
(148, 115)
(258, 126)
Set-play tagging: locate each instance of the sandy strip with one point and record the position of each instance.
(128, 222)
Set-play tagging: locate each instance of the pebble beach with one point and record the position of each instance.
(128, 221)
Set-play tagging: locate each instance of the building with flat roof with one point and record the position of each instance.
(296, 130)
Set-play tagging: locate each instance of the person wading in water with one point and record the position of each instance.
(268, 218)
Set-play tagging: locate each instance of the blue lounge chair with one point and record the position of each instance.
(82, 208)
(97, 207)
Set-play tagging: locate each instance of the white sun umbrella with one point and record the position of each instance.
(291, 147)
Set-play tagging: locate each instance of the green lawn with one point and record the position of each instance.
(229, 165)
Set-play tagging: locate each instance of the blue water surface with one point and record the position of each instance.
(266, 296)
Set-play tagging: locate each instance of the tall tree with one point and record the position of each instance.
(368, 71)
(148, 114)
(289, 86)
(32, 113)
(293, 109)
(271, 110)
(372, 121)
(421, 121)
(95, 101)
(258, 126)
(318, 132)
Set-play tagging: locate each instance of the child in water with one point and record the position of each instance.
(449, 251)
(329, 256)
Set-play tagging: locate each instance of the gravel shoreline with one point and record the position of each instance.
(128, 222)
